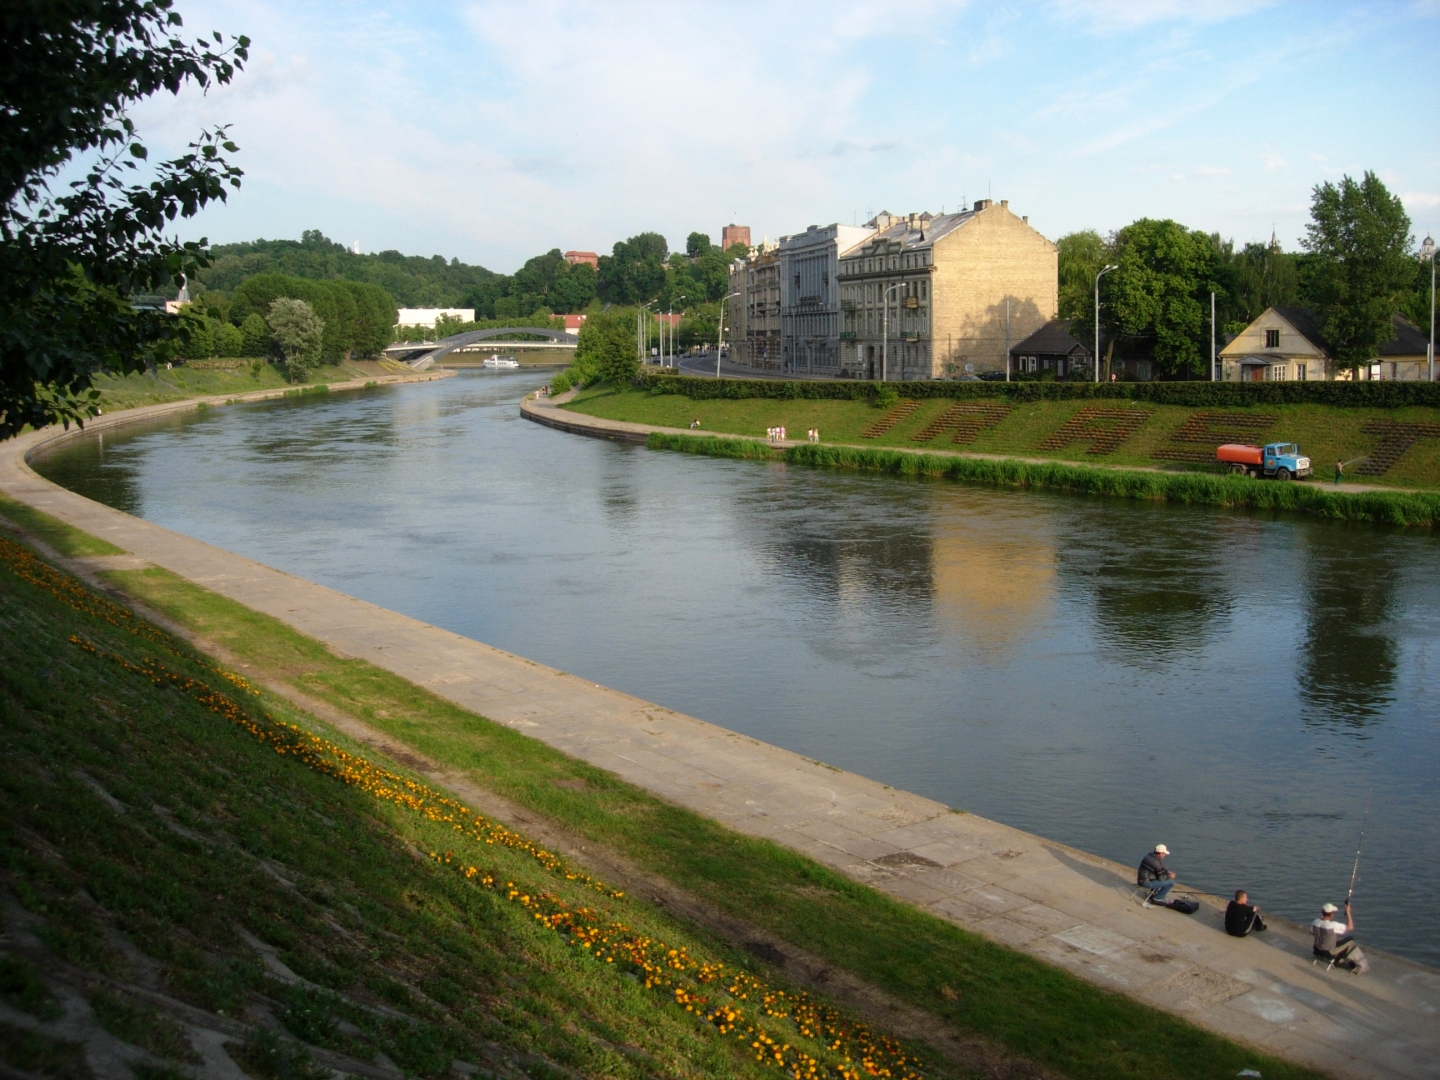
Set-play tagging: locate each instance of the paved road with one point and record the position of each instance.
(703, 366)
(1067, 907)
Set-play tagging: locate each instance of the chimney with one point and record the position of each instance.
(981, 204)
(1025, 218)
(1005, 203)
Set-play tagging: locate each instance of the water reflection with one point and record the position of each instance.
(1156, 596)
(994, 584)
(1351, 656)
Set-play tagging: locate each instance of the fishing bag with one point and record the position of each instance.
(1185, 907)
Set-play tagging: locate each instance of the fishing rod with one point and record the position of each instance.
(1355, 872)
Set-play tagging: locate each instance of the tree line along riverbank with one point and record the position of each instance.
(371, 914)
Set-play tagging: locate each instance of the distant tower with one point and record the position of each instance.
(355, 248)
(184, 296)
(734, 234)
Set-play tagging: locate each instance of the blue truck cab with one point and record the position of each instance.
(1283, 460)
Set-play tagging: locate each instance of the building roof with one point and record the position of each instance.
(912, 231)
(1052, 339)
(1304, 320)
(1408, 340)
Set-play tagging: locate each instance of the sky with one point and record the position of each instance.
(495, 131)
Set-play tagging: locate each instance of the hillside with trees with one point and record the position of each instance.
(546, 281)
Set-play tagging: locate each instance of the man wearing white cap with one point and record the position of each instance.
(1152, 875)
(1333, 940)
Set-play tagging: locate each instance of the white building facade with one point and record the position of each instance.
(810, 297)
(426, 316)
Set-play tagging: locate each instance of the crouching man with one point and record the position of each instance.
(1152, 875)
(1334, 943)
(1241, 916)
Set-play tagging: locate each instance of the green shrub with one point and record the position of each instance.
(1383, 395)
(887, 397)
(562, 382)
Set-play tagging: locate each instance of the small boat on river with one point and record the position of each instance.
(500, 362)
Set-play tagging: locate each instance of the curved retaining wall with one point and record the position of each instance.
(1065, 906)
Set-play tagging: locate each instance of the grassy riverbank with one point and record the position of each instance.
(1129, 432)
(191, 855)
(1201, 489)
(971, 985)
(177, 384)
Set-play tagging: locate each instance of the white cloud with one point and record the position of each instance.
(1115, 16)
(1420, 200)
(496, 129)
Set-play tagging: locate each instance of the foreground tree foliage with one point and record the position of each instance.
(70, 70)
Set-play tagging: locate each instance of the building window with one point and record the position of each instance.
(1299, 372)
(1272, 339)
(1275, 373)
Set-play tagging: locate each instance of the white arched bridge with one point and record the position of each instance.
(422, 354)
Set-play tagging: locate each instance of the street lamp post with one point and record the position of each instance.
(720, 334)
(1427, 251)
(670, 328)
(643, 317)
(885, 329)
(1098, 276)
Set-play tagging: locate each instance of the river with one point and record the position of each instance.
(1106, 674)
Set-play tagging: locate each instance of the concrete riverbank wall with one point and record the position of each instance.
(1065, 906)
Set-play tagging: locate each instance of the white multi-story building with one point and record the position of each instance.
(426, 316)
(810, 298)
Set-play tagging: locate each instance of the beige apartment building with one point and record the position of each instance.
(958, 289)
(755, 318)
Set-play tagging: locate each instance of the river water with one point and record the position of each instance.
(1106, 674)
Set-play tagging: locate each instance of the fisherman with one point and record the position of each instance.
(1241, 916)
(1339, 472)
(1152, 875)
(1333, 940)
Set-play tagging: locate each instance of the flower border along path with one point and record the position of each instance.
(1053, 903)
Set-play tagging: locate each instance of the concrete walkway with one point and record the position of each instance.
(1064, 906)
(544, 411)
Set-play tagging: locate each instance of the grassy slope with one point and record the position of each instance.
(1325, 433)
(63, 538)
(149, 832)
(131, 391)
(1031, 1008)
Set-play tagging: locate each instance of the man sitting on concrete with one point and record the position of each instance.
(1152, 875)
(1241, 916)
(1334, 943)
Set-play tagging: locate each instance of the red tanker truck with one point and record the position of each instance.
(1277, 461)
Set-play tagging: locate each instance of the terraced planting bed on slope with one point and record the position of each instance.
(1119, 432)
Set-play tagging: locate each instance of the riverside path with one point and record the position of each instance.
(1064, 906)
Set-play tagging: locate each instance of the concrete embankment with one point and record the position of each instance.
(1064, 906)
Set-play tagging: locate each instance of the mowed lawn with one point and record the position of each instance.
(1326, 433)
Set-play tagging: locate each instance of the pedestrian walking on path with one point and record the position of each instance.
(1152, 875)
